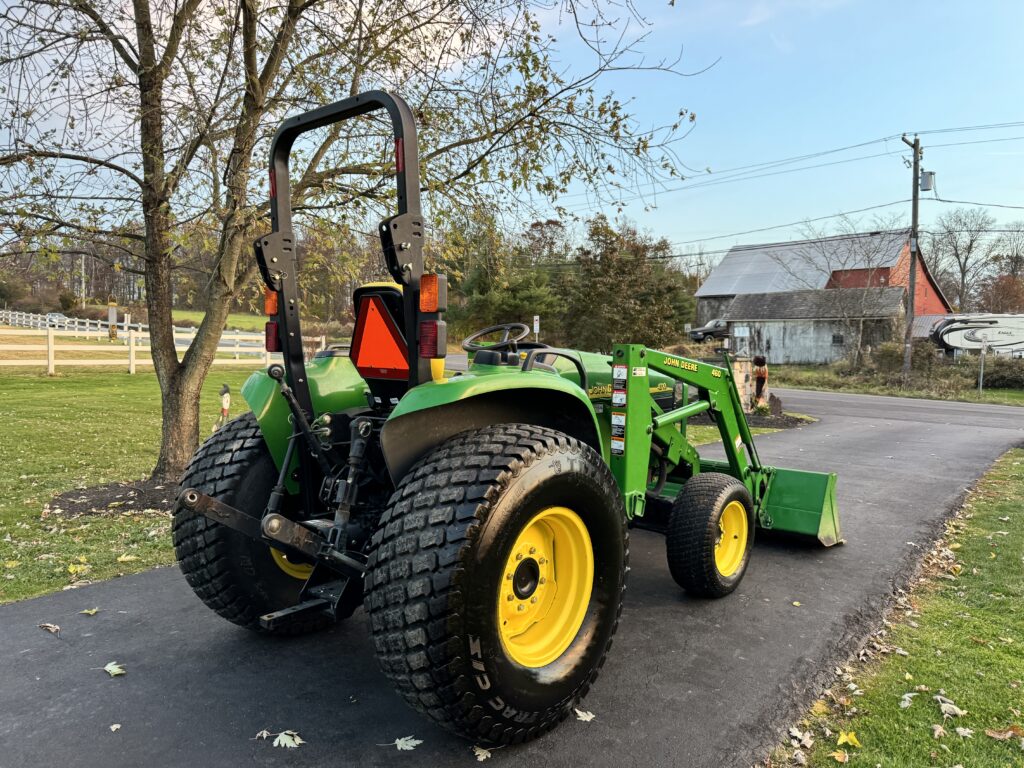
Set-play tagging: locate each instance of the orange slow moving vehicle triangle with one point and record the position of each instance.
(378, 349)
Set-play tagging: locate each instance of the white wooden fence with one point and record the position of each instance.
(243, 348)
(61, 323)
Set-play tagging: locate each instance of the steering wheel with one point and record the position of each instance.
(508, 341)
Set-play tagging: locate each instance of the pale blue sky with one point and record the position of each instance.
(802, 76)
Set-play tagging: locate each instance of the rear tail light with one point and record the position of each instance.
(271, 338)
(270, 302)
(433, 338)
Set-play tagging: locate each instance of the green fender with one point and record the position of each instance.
(433, 412)
(334, 386)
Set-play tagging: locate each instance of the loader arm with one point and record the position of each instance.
(789, 500)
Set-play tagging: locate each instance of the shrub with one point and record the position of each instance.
(1003, 373)
(67, 300)
(888, 358)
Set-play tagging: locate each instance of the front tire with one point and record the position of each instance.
(710, 535)
(496, 579)
(238, 577)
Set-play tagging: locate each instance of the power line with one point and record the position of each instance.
(969, 202)
(750, 172)
(979, 141)
(791, 224)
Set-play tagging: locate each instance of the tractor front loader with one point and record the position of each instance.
(480, 518)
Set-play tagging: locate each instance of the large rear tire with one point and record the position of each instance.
(496, 579)
(238, 577)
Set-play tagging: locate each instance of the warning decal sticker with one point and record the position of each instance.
(619, 397)
(618, 445)
(618, 424)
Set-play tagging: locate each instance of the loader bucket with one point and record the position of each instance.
(803, 503)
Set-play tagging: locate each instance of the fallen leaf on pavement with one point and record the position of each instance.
(288, 740)
(115, 727)
(90, 611)
(53, 629)
(114, 669)
(586, 717)
(481, 754)
(404, 744)
(796, 603)
(262, 734)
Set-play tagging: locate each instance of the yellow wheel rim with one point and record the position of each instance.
(545, 587)
(732, 538)
(296, 570)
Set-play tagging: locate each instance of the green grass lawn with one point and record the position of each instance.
(82, 429)
(959, 634)
(236, 320)
(823, 377)
(72, 431)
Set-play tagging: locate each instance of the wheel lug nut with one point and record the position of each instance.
(543, 561)
(508, 576)
(510, 598)
(533, 550)
(533, 599)
(542, 580)
(521, 608)
(519, 556)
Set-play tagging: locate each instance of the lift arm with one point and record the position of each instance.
(785, 499)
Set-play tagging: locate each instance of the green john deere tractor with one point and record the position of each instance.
(480, 518)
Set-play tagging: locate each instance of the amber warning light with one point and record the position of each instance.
(270, 302)
(433, 293)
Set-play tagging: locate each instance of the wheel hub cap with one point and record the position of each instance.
(731, 544)
(545, 587)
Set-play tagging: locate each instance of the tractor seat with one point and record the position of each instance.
(505, 357)
(390, 293)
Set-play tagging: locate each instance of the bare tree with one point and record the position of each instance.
(1008, 253)
(962, 250)
(856, 263)
(134, 125)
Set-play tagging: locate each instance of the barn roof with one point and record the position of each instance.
(923, 325)
(820, 304)
(800, 264)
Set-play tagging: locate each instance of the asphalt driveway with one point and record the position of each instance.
(688, 683)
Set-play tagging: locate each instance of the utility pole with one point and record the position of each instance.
(908, 340)
(83, 281)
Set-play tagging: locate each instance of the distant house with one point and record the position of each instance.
(811, 326)
(803, 301)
